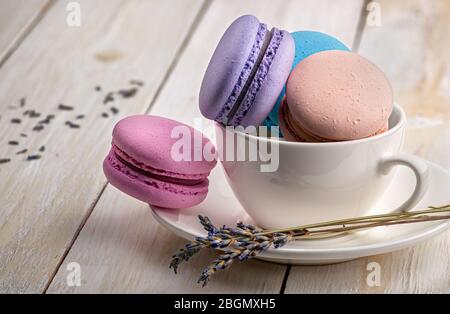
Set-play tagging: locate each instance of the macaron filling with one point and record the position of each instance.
(151, 172)
(251, 77)
(154, 183)
(249, 68)
(248, 99)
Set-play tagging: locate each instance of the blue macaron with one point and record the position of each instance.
(306, 44)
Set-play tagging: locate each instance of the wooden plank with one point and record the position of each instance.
(45, 201)
(121, 248)
(17, 18)
(411, 46)
(421, 269)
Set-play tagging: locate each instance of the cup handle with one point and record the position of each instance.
(420, 169)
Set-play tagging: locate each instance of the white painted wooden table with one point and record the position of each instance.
(59, 209)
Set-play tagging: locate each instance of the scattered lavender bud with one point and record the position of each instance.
(80, 116)
(105, 115)
(33, 157)
(47, 120)
(23, 135)
(38, 128)
(72, 125)
(98, 88)
(108, 98)
(42, 148)
(4, 160)
(16, 121)
(22, 102)
(136, 82)
(23, 151)
(14, 143)
(114, 110)
(31, 113)
(128, 93)
(64, 107)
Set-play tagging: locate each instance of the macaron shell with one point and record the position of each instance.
(152, 191)
(158, 172)
(226, 65)
(294, 133)
(148, 139)
(288, 134)
(276, 74)
(306, 44)
(339, 95)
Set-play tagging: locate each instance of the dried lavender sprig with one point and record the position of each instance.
(207, 224)
(243, 242)
(246, 246)
(184, 254)
(221, 263)
(368, 225)
(217, 238)
(246, 241)
(372, 218)
(244, 249)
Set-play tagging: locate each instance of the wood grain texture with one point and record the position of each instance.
(16, 20)
(411, 45)
(44, 202)
(122, 248)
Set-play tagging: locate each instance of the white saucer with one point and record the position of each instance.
(223, 208)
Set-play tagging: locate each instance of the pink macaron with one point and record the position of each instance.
(160, 161)
(335, 96)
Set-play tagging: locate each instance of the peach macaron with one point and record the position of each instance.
(335, 96)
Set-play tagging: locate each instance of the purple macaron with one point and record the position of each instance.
(246, 73)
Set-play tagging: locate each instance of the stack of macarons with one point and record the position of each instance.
(335, 96)
(308, 83)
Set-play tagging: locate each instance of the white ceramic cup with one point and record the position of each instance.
(317, 182)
